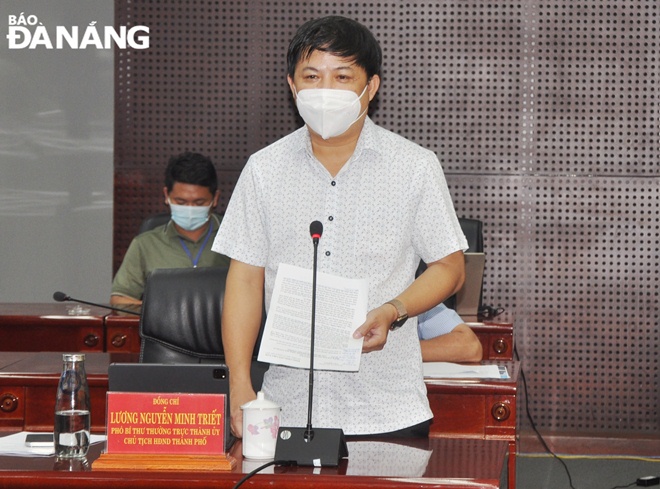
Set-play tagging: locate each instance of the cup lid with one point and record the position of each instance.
(260, 403)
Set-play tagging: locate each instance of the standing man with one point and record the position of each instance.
(384, 204)
(191, 192)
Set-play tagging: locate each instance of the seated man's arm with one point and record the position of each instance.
(459, 345)
(123, 299)
(444, 337)
(128, 283)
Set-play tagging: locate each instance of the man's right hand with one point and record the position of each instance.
(239, 395)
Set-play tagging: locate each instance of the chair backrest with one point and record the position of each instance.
(473, 231)
(181, 315)
(181, 320)
(153, 221)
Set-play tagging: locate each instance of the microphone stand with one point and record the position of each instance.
(306, 446)
(309, 433)
(62, 297)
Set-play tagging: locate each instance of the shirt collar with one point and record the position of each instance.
(368, 140)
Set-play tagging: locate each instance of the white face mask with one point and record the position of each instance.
(190, 217)
(329, 112)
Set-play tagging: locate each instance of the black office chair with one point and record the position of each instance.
(181, 318)
(153, 221)
(473, 231)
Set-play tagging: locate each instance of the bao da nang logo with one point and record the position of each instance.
(27, 32)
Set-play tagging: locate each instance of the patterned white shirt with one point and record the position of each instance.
(387, 207)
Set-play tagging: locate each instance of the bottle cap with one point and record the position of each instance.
(73, 357)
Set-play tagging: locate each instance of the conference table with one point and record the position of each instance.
(59, 326)
(466, 408)
(439, 463)
(52, 327)
(478, 408)
(470, 409)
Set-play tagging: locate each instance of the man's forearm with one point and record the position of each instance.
(440, 280)
(241, 318)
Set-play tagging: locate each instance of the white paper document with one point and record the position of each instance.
(341, 307)
(446, 370)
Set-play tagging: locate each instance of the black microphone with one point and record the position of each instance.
(308, 446)
(315, 231)
(62, 297)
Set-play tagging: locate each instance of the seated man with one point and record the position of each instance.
(444, 337)
(191, 191)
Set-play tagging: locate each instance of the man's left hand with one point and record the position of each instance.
(375, 328)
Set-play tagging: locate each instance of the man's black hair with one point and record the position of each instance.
(339, 36)
(192, 168)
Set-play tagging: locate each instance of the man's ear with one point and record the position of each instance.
(292, 87)
(216, 199)
(167, 197)
(373, 86)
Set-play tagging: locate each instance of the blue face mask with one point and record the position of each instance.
(190, 217)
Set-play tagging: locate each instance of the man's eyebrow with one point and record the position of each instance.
(350, 67)
(338, 69)
(345, 67)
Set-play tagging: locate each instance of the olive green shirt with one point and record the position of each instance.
(161, 248)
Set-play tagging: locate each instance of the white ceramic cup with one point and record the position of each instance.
(261, 420)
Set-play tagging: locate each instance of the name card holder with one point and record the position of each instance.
(160, 462)
(164, 431)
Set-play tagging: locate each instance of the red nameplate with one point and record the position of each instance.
(166, 423)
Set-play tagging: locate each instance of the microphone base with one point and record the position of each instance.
(325, 449)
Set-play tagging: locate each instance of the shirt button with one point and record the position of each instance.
(333, 183)
(331, 218)
(327, 253)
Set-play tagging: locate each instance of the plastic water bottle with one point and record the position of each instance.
(72, 417)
